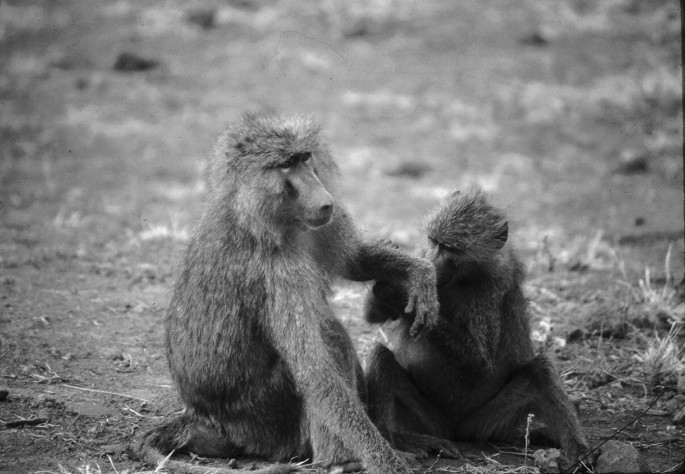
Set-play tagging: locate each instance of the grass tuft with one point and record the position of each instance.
(663, 360)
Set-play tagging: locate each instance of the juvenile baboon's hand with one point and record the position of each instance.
(423, 300)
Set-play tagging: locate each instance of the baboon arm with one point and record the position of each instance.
(375, 261)
(329, 399)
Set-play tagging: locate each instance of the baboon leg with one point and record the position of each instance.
(555, 407)
(402, 414)
(536, 389)
(329, 451)
(186, 434)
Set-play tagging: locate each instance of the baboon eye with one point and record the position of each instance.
(295, 159)
(289, 163)
(302, 157)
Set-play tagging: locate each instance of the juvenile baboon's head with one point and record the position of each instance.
(465, 228)
(276, 170)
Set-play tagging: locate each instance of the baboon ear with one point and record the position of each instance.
(500, 237)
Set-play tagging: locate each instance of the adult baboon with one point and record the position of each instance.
(475, 375)
(260, 361)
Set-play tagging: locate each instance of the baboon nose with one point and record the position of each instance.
(322, 217)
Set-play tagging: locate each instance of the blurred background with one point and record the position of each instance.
(568, 113)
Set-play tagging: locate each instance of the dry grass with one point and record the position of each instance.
(663, 358)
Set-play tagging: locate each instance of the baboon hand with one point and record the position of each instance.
(423, 301)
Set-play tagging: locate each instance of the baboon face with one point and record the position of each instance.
(306, 201)
(461, 263)
(278, 171)
(444, 258)
(464, 233)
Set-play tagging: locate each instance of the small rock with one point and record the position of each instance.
(204, 18)
(409, 169)
(679, 417)
(44, 400)
(575, 335)
(616, 456)
(535, 39)
(674, 405)
(131, 62)
(249, 5)
(3, 393)
(547, 460)
(114, 449)
(632, 162)
(27, 369)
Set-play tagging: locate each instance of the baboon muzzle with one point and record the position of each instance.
(316, 201)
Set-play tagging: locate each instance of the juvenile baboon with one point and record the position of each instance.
(475, 375)
(261, 363)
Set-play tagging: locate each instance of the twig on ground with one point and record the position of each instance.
(105, 392)
(112, 464)
(28, 422)
(163, 462)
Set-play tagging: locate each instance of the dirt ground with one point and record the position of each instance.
(568, 113)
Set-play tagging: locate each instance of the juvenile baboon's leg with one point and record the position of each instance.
(399, 410)
(536, 389)
(556, 409)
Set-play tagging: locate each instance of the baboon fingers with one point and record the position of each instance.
(426, 316)
(423, 301)
(429, 444)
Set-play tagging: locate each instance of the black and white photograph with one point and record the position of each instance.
(366, 236)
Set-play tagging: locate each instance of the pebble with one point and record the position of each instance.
(547, 460)
(616, 456)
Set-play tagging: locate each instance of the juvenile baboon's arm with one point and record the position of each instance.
(328, 398)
